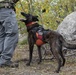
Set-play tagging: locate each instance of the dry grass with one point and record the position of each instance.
(45, 68)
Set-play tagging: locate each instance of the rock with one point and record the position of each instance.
(68, 27)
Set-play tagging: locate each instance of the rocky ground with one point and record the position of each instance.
(47, 66)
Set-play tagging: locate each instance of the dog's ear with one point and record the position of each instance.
(44, 10)
(35, 18)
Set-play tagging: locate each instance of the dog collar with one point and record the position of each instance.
(31, 23)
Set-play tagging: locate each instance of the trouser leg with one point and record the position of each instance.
(8, 34)
(10, 43)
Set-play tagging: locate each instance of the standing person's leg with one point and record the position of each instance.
(10, 43)
(10, 38)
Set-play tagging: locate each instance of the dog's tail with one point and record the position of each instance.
(67, 45)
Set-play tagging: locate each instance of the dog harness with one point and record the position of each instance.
(39, 40)
(38, 32)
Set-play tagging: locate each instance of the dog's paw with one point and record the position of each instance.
(56, 71)
(28, 64)
(39, 62)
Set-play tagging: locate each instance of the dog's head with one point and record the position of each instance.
(28, 18)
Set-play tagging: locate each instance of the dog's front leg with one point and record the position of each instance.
(30, 53)
(40, 56)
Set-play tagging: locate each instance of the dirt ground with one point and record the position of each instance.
(47, 67)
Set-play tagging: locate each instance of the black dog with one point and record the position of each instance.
(39, 36)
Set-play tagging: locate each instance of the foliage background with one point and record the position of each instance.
(50, 12)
